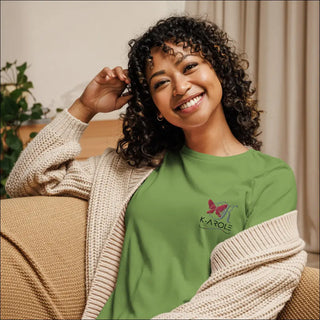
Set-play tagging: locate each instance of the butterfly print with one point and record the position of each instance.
(218, 210)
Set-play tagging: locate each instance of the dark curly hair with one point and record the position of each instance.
(144, 137)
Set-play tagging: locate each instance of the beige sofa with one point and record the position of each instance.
(43, 262)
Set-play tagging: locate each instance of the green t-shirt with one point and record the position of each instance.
(188, 205)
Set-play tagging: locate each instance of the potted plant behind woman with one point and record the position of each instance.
(16, 110)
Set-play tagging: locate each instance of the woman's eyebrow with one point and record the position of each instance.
(183, 57)
(158, 73)
(161, 72)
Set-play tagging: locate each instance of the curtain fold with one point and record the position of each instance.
(281, 42)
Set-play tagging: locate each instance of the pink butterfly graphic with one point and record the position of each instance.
(213, 208)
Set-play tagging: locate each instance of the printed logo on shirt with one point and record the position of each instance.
(217, 217)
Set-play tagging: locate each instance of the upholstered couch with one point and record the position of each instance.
(43, 262)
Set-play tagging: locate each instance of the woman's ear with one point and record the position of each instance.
(160, 117)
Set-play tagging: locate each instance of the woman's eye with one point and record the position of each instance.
(189, 67)
(159, 84)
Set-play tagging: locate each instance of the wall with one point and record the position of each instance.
(66, 43)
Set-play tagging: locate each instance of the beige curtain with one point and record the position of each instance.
(281, 39)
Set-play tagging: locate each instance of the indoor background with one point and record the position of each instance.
(66, 43)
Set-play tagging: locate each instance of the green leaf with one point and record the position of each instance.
(36, 115)
(23, 104)
(9, 117)
(3, 192)
(13, 141)
(6, 166)
(21, 78)
(36, 111)
(28, 85)
(14, 111)
(3, 184)
(16, 94)
(9, 106)
(24, 117)
(8, 65)
(22, 68)
(37, 107)
(4, 181)
(15, 155)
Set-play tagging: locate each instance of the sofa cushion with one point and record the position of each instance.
(43, 258)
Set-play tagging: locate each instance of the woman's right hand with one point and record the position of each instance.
(102, 94)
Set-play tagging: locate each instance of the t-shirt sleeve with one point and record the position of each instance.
(273, 193)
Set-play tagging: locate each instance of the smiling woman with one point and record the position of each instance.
(189, 57)
(188, 93)
(180, 82)
(187, 208)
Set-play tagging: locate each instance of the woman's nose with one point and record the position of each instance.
(181, 85)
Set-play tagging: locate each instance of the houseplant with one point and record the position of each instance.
(18, 105)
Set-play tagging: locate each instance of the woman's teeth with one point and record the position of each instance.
(189, 103)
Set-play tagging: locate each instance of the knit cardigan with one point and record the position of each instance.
(253, 273)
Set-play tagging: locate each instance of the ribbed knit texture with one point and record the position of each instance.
(253, 273)
(45, 167)
(304, 303)
(114, 185)
(43, 258)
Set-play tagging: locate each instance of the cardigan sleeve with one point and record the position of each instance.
(47, 166)
(253, 274)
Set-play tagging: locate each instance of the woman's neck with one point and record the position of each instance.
(215, 138)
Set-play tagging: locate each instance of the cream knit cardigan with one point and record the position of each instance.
(253, 273)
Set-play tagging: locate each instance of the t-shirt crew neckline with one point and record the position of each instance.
(204, 156)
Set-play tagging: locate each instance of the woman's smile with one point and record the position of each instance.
(184, 87)
(190, 105)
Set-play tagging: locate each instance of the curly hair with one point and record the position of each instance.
(144, 137)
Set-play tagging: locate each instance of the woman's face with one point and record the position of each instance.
(184, 87)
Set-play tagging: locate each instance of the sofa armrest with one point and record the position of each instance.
(304, 303)
(43, 257)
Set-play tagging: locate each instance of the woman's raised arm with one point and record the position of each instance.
(103, 94)
(47, 166)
